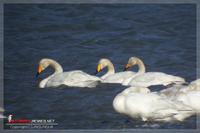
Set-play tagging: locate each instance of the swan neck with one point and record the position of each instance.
(58, 69)
(141, 66)
(111, 69)
(44, 82)
(56, 66)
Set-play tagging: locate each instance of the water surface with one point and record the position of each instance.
(77, 36)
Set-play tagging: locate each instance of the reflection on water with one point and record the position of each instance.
(77, 36)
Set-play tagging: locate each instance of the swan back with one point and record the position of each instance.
(74, 79)
(119, 77)
(136, 89)
(155, 78)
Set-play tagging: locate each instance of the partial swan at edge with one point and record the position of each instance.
(189, 95)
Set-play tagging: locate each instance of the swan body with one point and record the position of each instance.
(155, 78)
(150, 78)
(172, 91)
(195, 85)
(188, 95)
(119, 77)
(75, 78)
(111, 76)
(177, 89)
(191, 99)
(142, 104)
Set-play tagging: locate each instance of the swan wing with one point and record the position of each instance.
(191, 99)
(147, 106)
(73, 78)
(155, 78)
(171, 91)
(153, 107)
(119, 77)
(195, 85)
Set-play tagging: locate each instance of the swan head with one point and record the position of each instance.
(102, 64)
(43, 64)
(131, 62)
(135, 61)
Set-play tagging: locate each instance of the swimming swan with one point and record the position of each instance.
(149, 78)
(75, 78)
(111, 76)
(188, 95)
(140, 103)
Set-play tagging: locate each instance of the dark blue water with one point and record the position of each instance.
(77, 36)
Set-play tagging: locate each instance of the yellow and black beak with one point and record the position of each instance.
(39, 70)
(98, 69)
(126, 67)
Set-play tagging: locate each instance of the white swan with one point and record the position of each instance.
(111, 76)
(194, 85)
(140, 103)
(149, 78)
(191, 98)
(176, 89)
(75, 78)
(188, 95)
